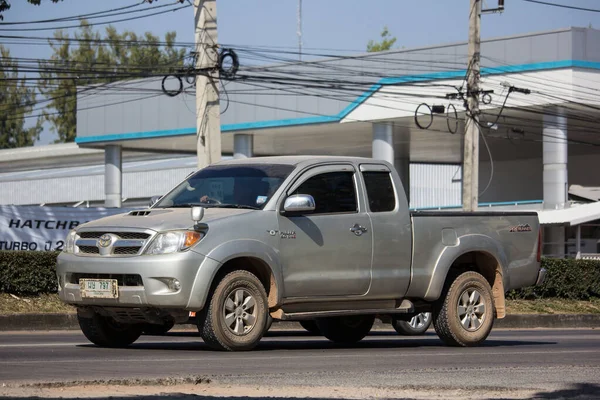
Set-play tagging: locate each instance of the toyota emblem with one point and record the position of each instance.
(105, 240)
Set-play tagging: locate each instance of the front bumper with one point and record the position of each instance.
(155, 271)
(541, 276)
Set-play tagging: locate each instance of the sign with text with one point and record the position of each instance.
(44, 228)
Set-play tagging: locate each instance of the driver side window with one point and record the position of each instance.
(334, 192)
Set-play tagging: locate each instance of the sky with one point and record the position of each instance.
(326, 24)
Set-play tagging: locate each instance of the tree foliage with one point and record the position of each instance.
(17, 99)
(386, 43)
(94, 58)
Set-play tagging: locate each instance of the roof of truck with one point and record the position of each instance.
(295, 160)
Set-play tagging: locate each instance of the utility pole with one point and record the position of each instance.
(299, 30)
(208, 113)
(470, 180)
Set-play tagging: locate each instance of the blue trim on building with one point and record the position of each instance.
(135, 135)
(353, 105)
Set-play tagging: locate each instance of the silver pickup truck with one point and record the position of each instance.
(329, 240)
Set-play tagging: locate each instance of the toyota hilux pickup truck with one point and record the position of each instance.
(330, 240)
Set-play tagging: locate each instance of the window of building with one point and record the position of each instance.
(380, 191)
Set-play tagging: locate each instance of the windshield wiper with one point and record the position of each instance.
(234, 206)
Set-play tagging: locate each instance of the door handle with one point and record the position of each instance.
(358, 230)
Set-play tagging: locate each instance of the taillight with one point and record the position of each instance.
(539, 249)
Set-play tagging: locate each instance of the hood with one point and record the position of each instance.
(161, 219)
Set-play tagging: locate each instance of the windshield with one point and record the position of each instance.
(239, 186)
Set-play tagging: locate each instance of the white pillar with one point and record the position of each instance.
(384, 149)
(555, 158)
(113, 177)
(243, 145)
(383, 142)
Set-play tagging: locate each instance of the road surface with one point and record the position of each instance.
(549, 364)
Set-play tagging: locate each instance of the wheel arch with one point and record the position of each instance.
(476, 253)
(249, 255)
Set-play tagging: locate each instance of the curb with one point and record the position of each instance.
(52, 322)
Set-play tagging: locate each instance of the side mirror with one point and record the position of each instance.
(197, 214)
(299, 203)
(153, 200)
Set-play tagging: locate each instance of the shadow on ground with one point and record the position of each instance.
(375, 340)
(579, 391)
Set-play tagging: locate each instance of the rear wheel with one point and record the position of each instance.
(417, 325)
(106, 332)
(346, 330)
(464, 315)
(236, 317)
(310, 326)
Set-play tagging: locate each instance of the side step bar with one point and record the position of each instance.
(405, 307)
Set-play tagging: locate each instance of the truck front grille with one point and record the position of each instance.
(121, 235)
(89, 249)
(119, 243)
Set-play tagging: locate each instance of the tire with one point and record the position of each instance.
(417, 325)
(106, 332)
(229, 322)
(311, 327)
(346, 330)
(158, 330)
(464, 314)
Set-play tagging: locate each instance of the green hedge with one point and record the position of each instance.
(28, 272)
(566, 279)
(33, 272)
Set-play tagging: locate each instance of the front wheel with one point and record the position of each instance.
(346, 330)
(106, 332)
(464, 314)
(236, 317)
(417, 325)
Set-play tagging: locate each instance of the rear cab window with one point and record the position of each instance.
(380, 191)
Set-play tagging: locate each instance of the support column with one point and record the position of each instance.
(113, 177)
(384, 149)
(555, 158)
(243, 146)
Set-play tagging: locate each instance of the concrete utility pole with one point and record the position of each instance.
(299, 30)
(470, 180)
(208, 121)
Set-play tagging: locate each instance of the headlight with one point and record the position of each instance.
(70, 242)
(174, 241)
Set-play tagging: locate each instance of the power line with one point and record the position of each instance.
(562, 5)
(100, 23)
(81, 16)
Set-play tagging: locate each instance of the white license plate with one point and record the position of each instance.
(99, 288)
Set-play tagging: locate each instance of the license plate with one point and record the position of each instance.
(99, 288)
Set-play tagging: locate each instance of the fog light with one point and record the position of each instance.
(174, 285)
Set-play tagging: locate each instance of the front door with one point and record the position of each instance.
(327, 252)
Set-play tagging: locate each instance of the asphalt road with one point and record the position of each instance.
(549, 361)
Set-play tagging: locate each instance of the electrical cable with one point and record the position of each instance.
(562, 5)
(83, 16)
(430, 116)
(491, 163)
(98, 23)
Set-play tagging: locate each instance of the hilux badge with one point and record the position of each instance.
(104, 240)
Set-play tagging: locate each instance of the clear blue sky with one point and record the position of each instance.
(332, 24)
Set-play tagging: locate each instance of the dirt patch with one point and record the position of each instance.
(209, 391)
